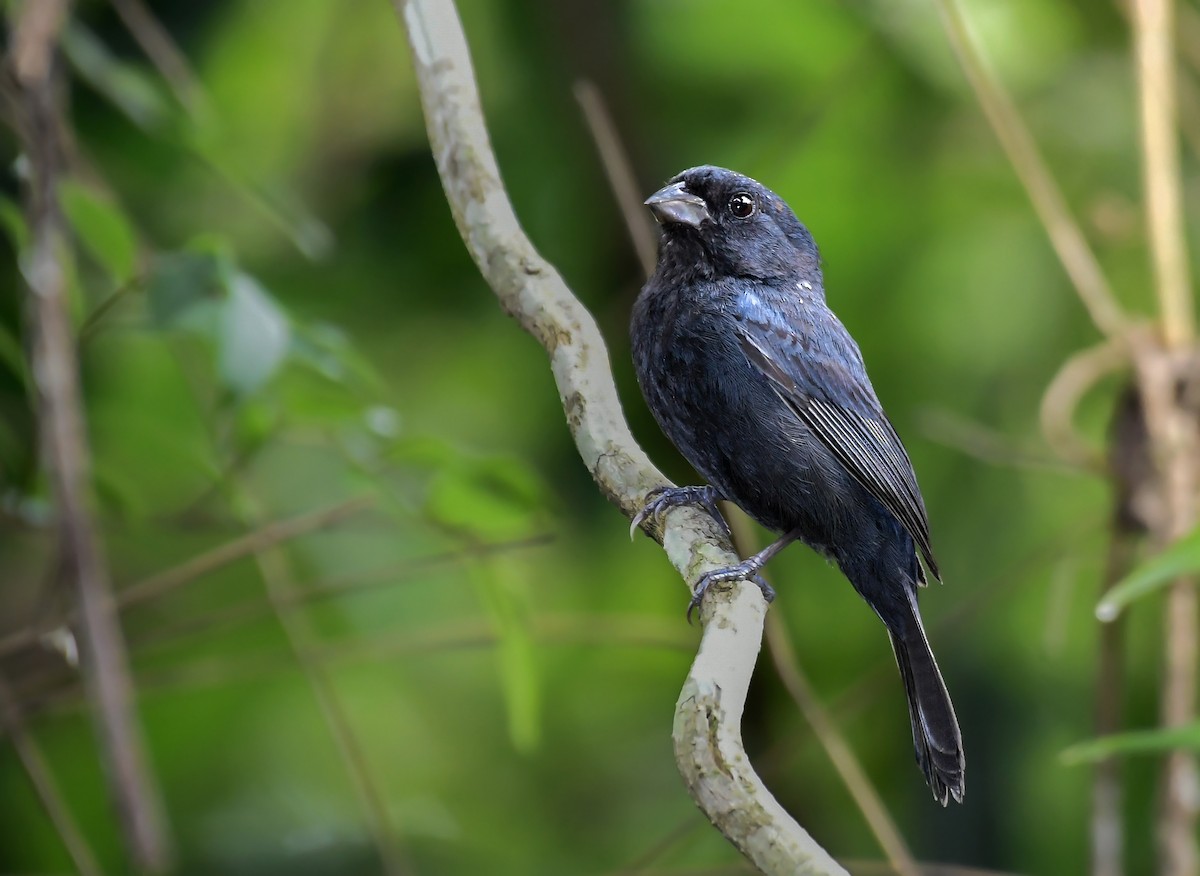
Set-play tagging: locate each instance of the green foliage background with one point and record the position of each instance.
(277, 315)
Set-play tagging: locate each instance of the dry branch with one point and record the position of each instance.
(708, 743)
(1051, 207)
(1162, 362)
(64, 442)
(1171, 425)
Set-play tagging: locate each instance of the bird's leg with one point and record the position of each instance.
(747, 570)
(660, 499)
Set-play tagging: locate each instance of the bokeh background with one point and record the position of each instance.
(277, 317)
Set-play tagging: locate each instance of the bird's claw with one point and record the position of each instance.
(660, 499)
(746, 571)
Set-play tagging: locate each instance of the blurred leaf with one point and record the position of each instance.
(12, 354)
(253, 336)
(490, 499)
(256, 422)
(102, 228)
(1136, 742)
(13, 222)
(506, 600)
(116, 492)
(1181, 558)
(328, 351)
(183, 288)
(134, 91)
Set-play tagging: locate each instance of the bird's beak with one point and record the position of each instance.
(673, 204)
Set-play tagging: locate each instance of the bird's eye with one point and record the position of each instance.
(741, 205)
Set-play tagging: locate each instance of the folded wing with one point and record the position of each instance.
(826, 386)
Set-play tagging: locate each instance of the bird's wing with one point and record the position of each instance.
(824, 382)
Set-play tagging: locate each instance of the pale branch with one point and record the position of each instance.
(707, 733)
(62, 434)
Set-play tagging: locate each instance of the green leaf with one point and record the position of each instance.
(12, 220)
(501, 586)
(252, 335)
(1181, 558)
(184, 289)
(329, 352)
(102, 228)
(12, 354)
(489, 498)
(132, 90)
(1136, 742)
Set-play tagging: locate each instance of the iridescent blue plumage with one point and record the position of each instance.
(760, 386)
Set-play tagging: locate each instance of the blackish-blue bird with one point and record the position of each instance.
(762, 389)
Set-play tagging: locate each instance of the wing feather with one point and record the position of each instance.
(839, 407)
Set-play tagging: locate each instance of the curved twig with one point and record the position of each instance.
(707, 721)
(1068, 387)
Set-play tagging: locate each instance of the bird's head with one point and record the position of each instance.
(731, 225)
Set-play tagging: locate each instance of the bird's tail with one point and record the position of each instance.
(936, 737)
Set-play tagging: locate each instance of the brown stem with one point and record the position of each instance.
(161, 50)
(1107, 828)
(64, 443)
(619, 172)
(303, 642)
(189, 570)
(42, 779)
(1171, 428)
(1048, 202)
(840, 754)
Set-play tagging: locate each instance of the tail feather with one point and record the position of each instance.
(936, 737)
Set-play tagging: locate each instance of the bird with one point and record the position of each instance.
(763, 390)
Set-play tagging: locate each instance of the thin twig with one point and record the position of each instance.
(64, 442)
(462, 635)
(195, 567)
(1171, 427)
(326, 588)
(853, 776)
(1107, 835)
(988, 445)
(1066, 390)
(851, 702)
(707, 731)
(1153, 32)
(156, 42)
(42, 779)
(619, 172)
(303, 640)
(1051, 207)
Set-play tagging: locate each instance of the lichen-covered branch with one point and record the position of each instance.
(708, 717)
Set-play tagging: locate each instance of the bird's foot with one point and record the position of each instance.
(744, 571)
(660, 499)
